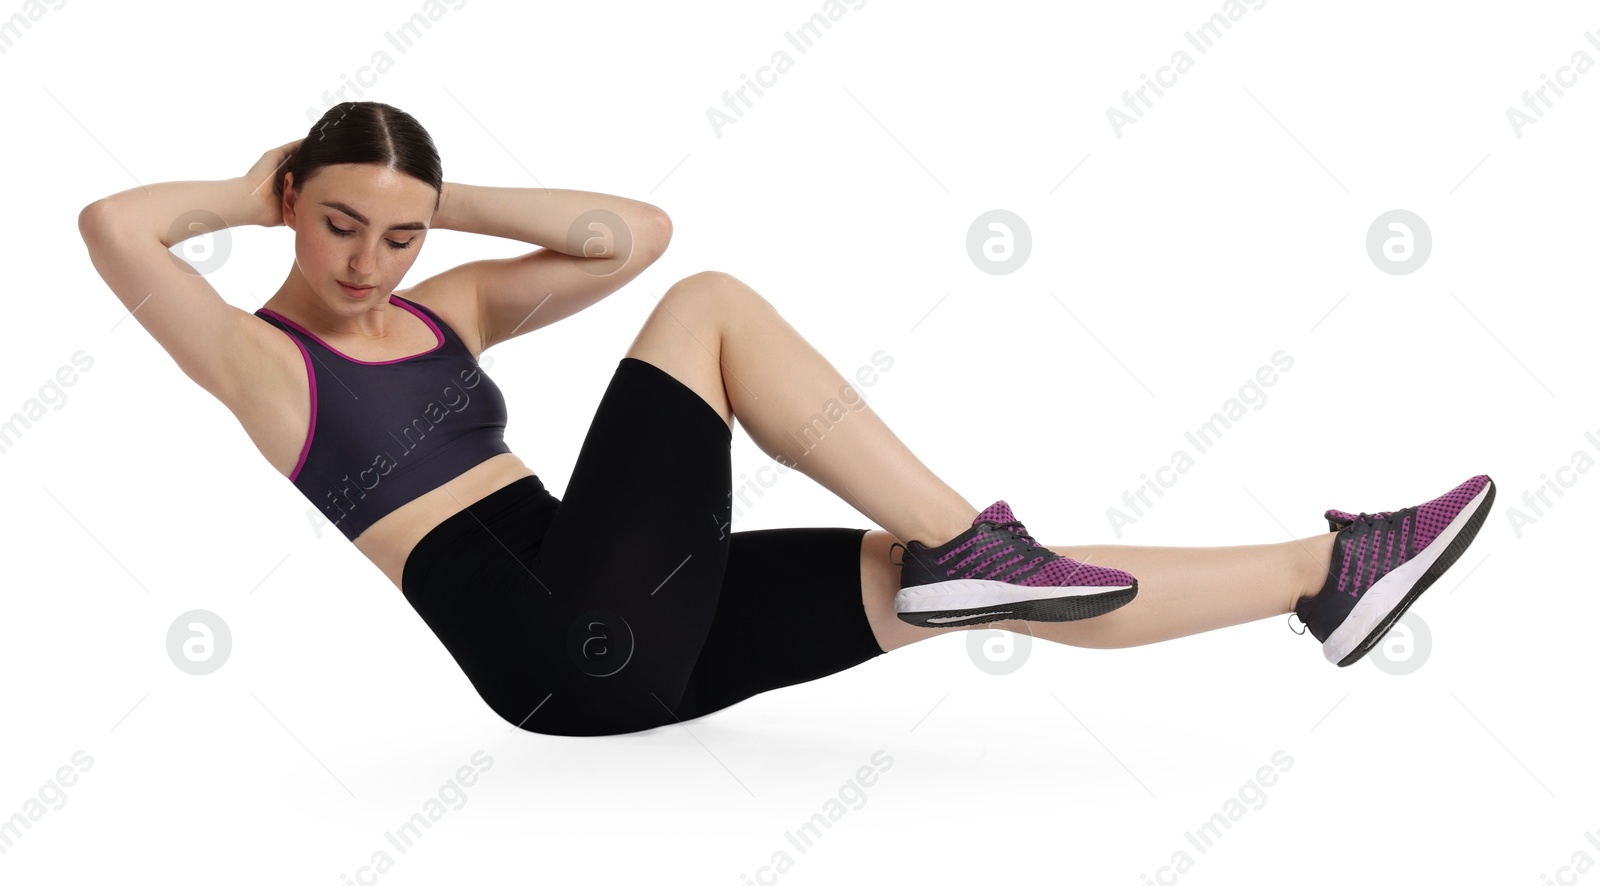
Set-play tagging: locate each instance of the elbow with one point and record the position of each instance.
(93, 221)
(659, 233)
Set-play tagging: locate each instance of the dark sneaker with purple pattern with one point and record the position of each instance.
(1382, 562)
(997, 571)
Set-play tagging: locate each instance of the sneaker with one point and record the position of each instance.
(1382, 562)
(995, 571)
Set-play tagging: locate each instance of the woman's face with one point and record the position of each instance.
(357, 223)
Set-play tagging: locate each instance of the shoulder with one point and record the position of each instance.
(452, 297)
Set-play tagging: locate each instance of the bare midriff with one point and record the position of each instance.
(388, 542)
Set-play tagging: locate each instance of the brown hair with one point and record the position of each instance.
(365, 132)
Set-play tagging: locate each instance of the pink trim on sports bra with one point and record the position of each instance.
(404, 304)
(311, 429)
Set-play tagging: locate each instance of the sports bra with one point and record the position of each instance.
(384, 432)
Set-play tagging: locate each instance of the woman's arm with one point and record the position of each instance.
(171, 212)
(593, 244)
(128, 235)
(586, 224)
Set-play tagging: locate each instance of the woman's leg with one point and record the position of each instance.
(730, 346)
(789, 612)
(627, 576)
(1182, 591)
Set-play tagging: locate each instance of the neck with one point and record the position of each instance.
(296, 300)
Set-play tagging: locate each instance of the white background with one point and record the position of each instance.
(1169, 266)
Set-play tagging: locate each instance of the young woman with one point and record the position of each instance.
(628, 604)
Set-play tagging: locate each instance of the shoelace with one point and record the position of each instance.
(1365, 517)
(1016, 529)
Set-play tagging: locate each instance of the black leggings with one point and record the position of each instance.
(629, 604)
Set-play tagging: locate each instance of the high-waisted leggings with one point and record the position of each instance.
(629, 603)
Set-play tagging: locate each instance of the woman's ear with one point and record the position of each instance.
(289, 199)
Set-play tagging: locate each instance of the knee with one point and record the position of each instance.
(708, 280)
(713, 290)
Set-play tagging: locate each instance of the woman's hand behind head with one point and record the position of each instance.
(271, 168)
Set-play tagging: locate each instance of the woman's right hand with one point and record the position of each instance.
(264, 177)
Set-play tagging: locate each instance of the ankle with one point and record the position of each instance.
(1314, 558)
(943, 530)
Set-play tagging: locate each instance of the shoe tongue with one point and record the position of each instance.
(1342, 518)
(999, 512)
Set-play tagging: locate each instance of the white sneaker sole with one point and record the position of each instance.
(973, 601)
